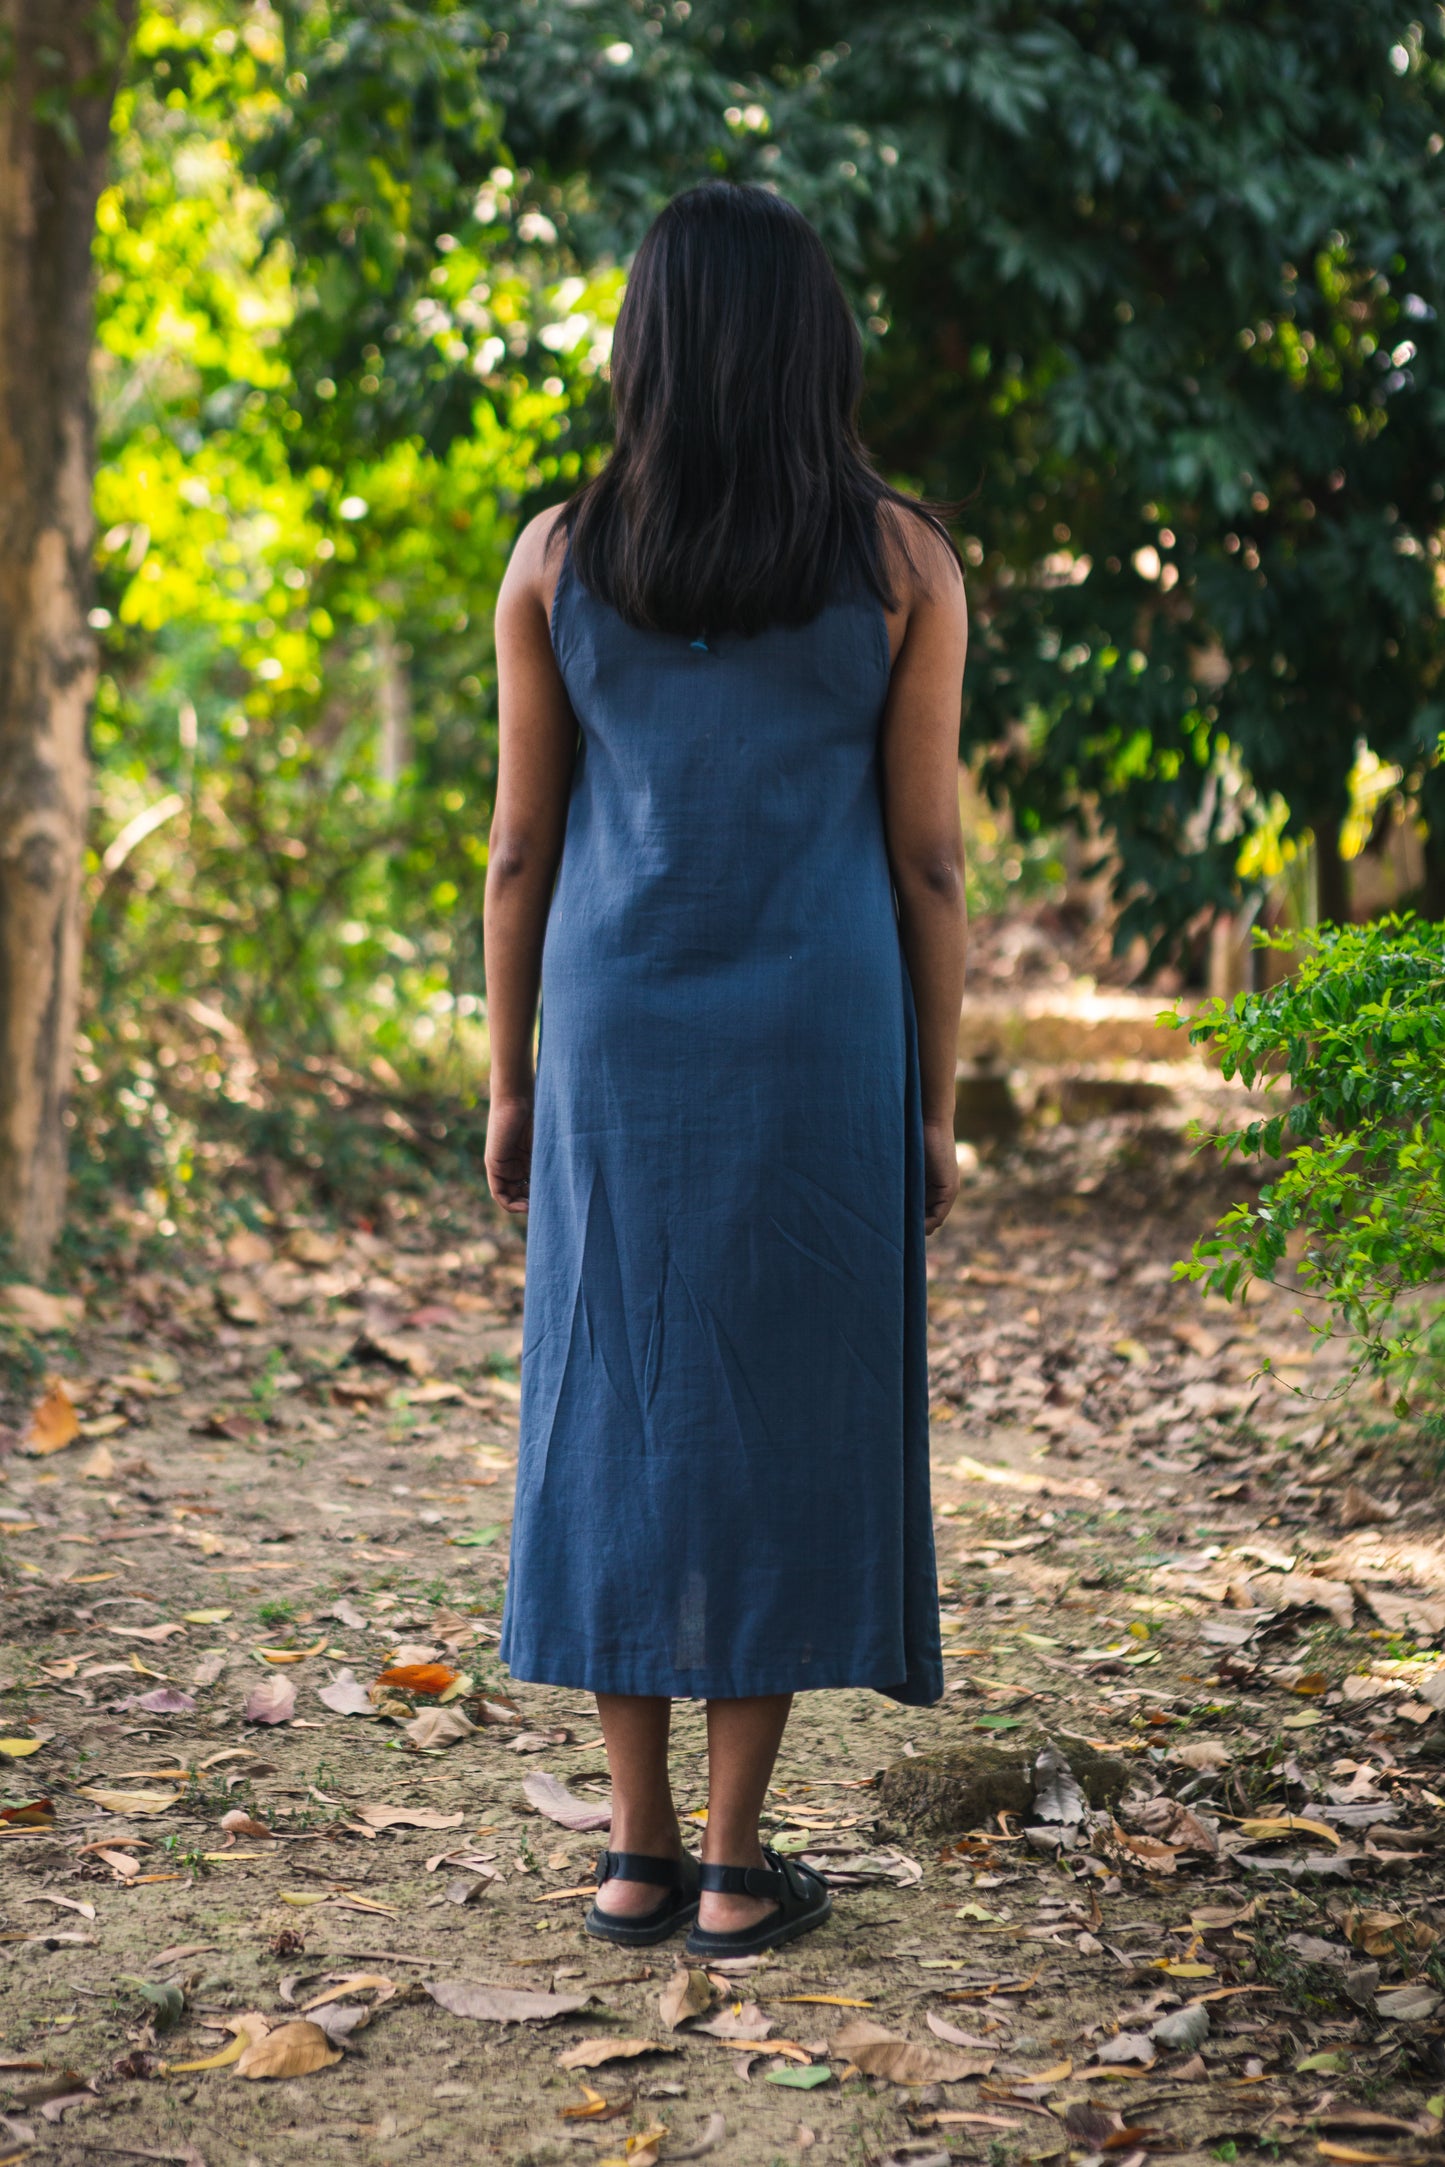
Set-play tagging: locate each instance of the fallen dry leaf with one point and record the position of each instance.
(438, 1727)
(1203, 1753)
(596, 2108)
(129, 1802)
(38, 1311)
(1359, 1509)
(942, 2029)
(1272, 1828)
(272, 1701)
(19, 1749)
(1145, 1851)
(686, 1995)
(346, 1695)
(53, 1424)
(550, 1796)
(1125, 2047)
(424, 1680)
(501, 2004)
(35, 1813)
(1169, 1822)
(1407, 1613)
(379, 1816)
(881, 2053)
(297, 2049)
(592, 2053)
(742, 2020)
(359, 1982)
(166, 1700)
(1387, 1933)
(239, 1823)
(249, 2030)
(291, 1655)
(1353, 2157)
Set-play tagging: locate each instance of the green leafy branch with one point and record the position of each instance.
(1356, 1037)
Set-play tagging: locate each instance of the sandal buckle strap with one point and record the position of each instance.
(741, 1880)
(664, 1873)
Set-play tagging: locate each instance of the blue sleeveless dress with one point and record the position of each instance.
(722, 1483)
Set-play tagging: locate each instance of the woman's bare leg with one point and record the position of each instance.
(743, 1737)
(635, 1729)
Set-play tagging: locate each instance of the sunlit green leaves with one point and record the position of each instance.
(1357, 1031)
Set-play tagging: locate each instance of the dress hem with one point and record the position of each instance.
(652, 1684)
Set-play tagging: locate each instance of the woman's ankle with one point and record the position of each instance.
(650, 1834)
(731, 1847)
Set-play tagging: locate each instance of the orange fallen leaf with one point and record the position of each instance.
(54, 1423)
(38, 1813)
(425, 1678)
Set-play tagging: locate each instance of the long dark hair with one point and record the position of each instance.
(738, 494)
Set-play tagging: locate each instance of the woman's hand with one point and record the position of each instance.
(509, 1153)
(940, 1173)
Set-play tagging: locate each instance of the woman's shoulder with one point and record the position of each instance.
(531, 575)
(921, 570)
(919, 560)
(537, 557)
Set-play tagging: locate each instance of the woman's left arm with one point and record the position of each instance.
(537, 742)
(925, 841)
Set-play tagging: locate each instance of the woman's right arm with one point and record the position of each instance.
(537, 734)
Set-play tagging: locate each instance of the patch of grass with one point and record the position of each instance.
(263, 1384)
(280, 1611)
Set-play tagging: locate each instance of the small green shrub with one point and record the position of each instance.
(1355, 1039)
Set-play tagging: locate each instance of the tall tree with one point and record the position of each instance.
(59, 62)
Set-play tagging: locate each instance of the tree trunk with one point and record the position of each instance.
(393, 699)
(59, 60)
(1332, 881)
(1432, 805)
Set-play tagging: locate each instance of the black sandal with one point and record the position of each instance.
(800, 1893)
(677, 1876)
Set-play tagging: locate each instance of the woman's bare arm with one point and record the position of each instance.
(925, 839)
(537, 741)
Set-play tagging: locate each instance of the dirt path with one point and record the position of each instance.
(307, 1446)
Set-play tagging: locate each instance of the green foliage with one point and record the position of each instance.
(295, 726)
(1357, 1034)
(1162, 286)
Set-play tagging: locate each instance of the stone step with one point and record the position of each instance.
(1054, 1024)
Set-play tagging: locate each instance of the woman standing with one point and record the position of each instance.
(727, 849)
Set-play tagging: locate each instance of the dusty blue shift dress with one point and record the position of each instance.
(722, 1484)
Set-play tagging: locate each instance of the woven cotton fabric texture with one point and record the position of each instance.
(722, 1484)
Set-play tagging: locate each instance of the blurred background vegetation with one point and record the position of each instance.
(1155, 288)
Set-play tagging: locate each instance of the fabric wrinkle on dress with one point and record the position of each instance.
(722, 1483)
